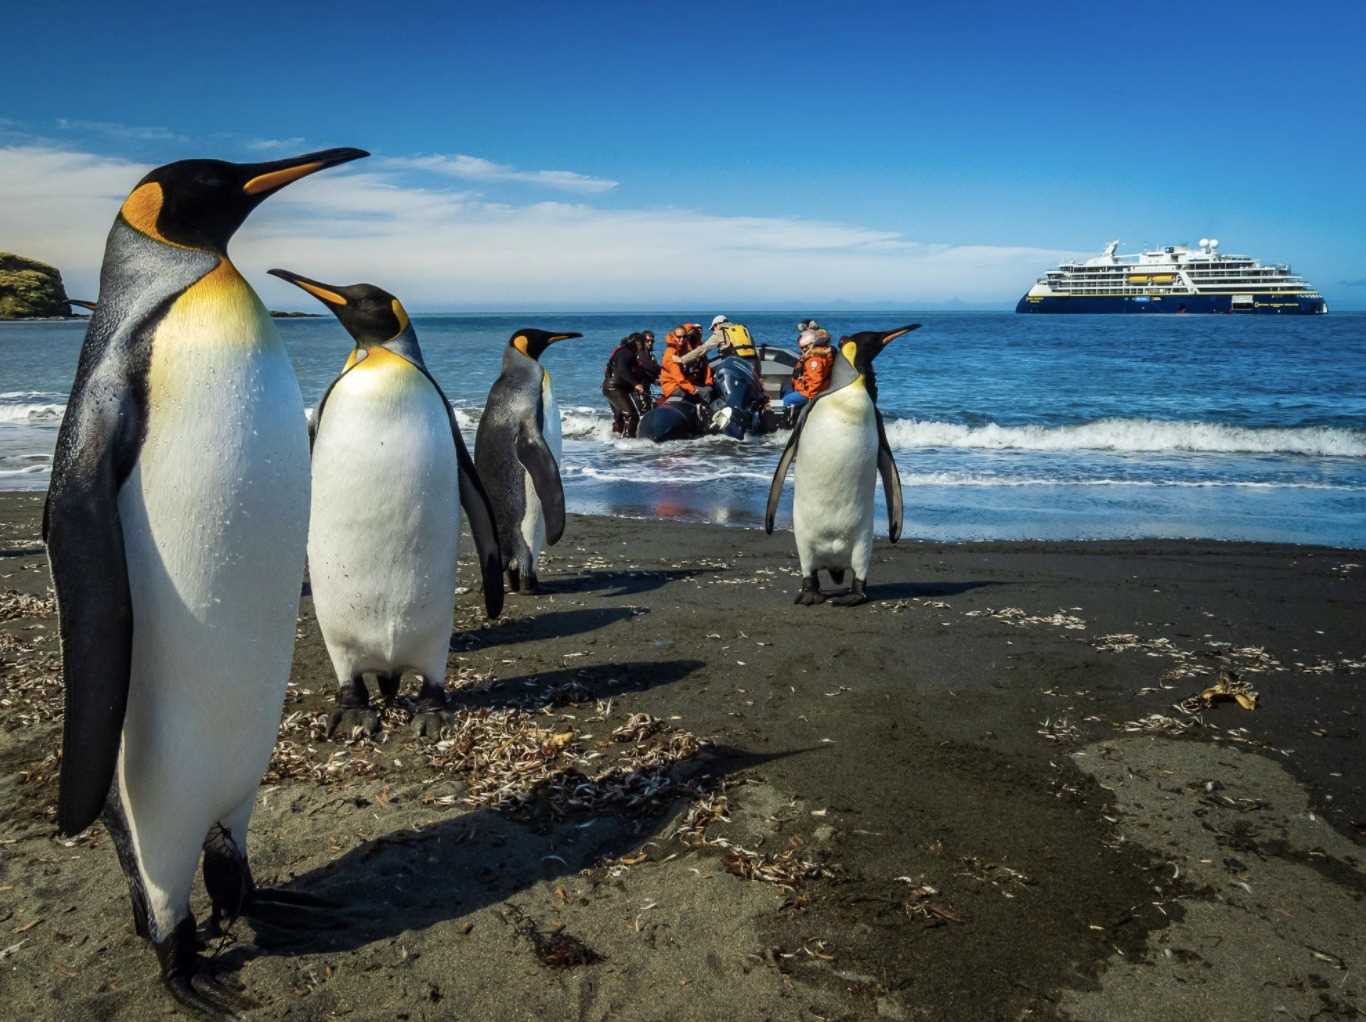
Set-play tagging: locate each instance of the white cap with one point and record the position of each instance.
(718, 321)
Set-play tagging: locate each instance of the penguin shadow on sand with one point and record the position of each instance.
(552, 624)
(925, 590)
(416, 878)
(620, 582)
(572, 685)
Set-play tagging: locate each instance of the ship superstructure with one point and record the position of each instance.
(1176, 278)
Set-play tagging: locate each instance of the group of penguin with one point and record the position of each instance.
(188, 490)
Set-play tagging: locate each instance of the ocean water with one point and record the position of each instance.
(1004, 426)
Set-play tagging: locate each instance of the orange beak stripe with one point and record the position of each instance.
(279, 178)
(331, 297)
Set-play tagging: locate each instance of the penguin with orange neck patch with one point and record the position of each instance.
(176, 523)
(840, 447)
(390, 475)
(517, 449)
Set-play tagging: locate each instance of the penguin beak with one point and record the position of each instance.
(901, 331)
(263, 179)
(561, 337)
(328, 294)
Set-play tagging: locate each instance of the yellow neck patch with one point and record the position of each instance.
(378, 359)
(221, 284)
(519, 342)
(401, 315)
(278, 178)
(141, 210)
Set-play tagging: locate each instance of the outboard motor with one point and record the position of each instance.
(737, 397)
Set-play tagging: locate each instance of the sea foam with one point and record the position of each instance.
(1131, 435)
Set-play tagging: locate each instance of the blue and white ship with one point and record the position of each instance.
(1176, 278)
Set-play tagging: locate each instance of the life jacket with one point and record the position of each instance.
(813, 370)
(736, 340)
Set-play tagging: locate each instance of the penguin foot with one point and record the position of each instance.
(208, 996)
(810, 594)
(190, 979)
(353, 708)
(430, 723)
(429, 711)
(528, 585)
(346, 719)
(853, 597)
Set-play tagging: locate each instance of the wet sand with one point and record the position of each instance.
(973, 798)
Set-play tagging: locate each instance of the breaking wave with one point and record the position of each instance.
(1137, 435)
(1062, 481)
(31, 407)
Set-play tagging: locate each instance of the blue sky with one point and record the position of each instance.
(793, 152)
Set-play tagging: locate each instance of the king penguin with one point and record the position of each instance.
(840, 447)
(175, 524)
(390, 473)
(517, 449)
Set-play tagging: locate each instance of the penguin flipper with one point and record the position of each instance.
(534, 454)
(316, 422)
(96, 449)
(474, 499)
(479, 513)
(775, 488)
(891, 481)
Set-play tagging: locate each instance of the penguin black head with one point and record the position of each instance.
(533, 342)
(201, 203)
(370, 314)
(860, 349)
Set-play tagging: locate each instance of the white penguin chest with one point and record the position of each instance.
(533, 515)
(215, 521)
(385, 527)
(836, 472)
(550, 427)
(384, 463)
(837, 457)
(221, 481)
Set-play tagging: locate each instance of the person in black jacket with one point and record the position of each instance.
(623, 384)
(645, 359)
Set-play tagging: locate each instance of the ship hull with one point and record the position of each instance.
(1294, 305)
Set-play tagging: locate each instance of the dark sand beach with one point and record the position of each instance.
(973, 798)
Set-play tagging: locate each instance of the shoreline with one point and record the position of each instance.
(973, 797)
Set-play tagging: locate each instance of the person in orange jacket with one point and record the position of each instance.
(674, 376)
(812, 373)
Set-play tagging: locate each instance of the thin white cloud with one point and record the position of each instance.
(473, 168)
(265, 145)
(114, 129)
(448, 249)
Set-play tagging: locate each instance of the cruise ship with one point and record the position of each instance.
(1176, 278)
